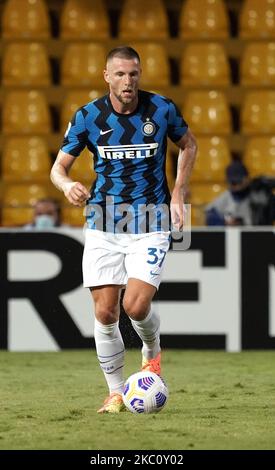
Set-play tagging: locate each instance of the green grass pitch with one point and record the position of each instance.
(217, 400)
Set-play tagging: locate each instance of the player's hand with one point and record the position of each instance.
(76, 193)
(177, 209)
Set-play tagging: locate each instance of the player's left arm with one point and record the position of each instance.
(186, 159)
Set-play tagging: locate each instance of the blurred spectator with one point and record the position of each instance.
(246, 202)
(46, 215)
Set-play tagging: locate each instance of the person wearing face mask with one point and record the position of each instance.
(46, 215)
(246, 202)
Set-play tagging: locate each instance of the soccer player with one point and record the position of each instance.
(126, 130)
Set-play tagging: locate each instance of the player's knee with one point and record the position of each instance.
(136, 308)
(106, 314)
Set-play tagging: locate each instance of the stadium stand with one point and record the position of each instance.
(212, 158)
(26, 112)
(257, 67)
(155, 65)
(257, 19)
(204, 19)
(18, 202)
(25, 19)
(258, 112)
(259, 156)
(200, 195)
(205, 64)
(73, 216)
(207, 112)
(82, 65)
(53, 53)
(170, 168)
(26, 64)
(83, 19)
(26, 159)
(143, 20)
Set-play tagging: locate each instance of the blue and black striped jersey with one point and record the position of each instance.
(129, 149)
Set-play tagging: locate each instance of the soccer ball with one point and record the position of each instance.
(145, 392)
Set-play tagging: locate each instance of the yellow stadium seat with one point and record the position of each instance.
(18, 202)
(26, 112)
(83, 168)
(258, 64)
(257, 19)
(154, 64)
(26, 64)
(72, 215)
(26, 159)
(259, 156)
(258, 112)
(75, 99)
(197, 216)
(212, 159)
(207, 112)
(170, 169)
(205, 64)
(204, 19)
(142, 19)
(203, 193)
(25, 19)
(84, 19)
(83, 65)
(200, 195)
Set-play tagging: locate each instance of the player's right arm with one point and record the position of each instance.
(74, 191)
(73, 144)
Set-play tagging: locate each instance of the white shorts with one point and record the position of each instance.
(110, 258)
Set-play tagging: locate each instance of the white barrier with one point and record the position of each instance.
(220, 294)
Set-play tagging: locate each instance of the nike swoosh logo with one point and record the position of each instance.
(154, 274)
(105, 132)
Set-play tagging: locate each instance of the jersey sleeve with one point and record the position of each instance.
(75, 138)
(177, 126)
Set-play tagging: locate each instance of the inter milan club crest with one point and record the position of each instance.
(148, 128)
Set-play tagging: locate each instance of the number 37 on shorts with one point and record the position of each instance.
(156, 255)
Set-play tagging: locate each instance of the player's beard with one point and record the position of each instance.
(124, 99)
